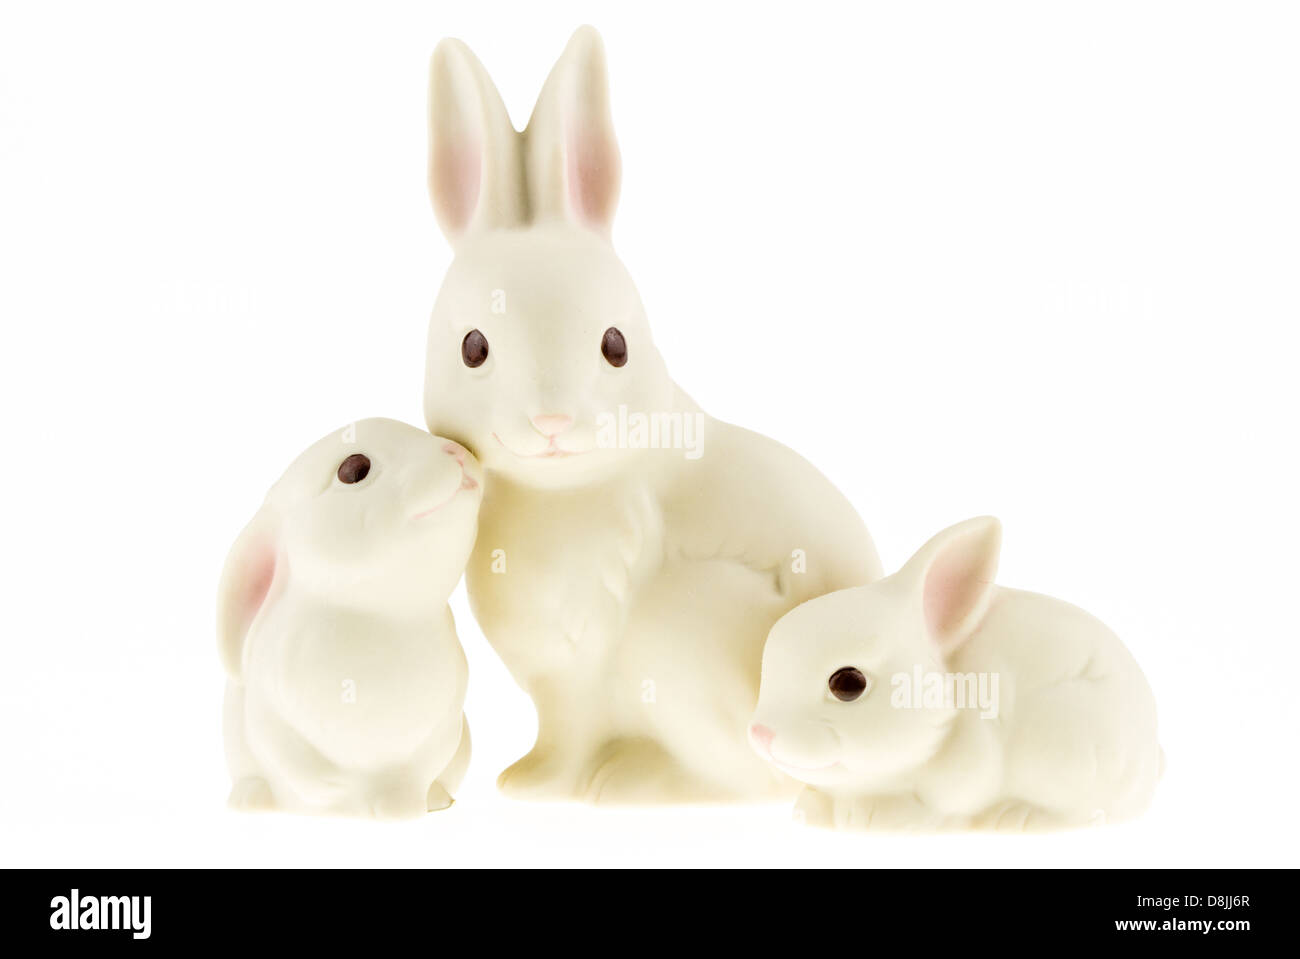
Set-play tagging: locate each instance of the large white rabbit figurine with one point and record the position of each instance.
(933, 699)
(346, 681)
(633, 552)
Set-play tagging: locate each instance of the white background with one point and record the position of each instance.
(1025, 259)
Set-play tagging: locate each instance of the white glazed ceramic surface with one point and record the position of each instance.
(633, 552)
(975, 706)
(346, 681)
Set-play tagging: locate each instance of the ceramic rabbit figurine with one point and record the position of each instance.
(633, 552)
(934, 699)
(346, 681)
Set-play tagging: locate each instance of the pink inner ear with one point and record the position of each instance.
(261, 575)
(592, 175)
(954, 585)
(457, 172)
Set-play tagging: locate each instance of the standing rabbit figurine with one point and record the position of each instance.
(633, 552)
(346, 681)
(1004, 709)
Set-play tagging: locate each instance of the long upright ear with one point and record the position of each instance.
(572, 156)
(254, 572)
(954, 572)
(476, 177)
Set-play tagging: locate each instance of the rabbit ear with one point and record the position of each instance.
(253, 573)
(475, 172)
(573, 161)
(955, 572)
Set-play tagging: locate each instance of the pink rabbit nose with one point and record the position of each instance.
(761, 736)
(552, 424)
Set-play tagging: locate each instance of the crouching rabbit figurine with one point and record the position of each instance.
(346, 681)
(934, 699)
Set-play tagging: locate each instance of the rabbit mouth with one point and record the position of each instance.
(797, 770)
(791, 767)
(551, 452)
(467, 482)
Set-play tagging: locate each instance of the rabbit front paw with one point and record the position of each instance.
(538, 775)
(814, 808)
(399, 803)
(892, 813)
(437, 798)
(251, 794)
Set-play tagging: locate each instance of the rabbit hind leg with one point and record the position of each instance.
(636, 771)
(453, 774)
(553, 769)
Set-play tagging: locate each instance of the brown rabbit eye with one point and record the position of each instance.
(847, 684)
(474, 349)
(355, 468)
(614, 347)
